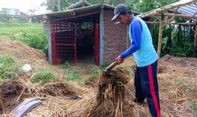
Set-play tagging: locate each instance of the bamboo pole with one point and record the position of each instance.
(181, 23)
(177, 15)
(180, 15)
(167, 7)
(160, 36)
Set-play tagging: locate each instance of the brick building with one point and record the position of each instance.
(85, 34)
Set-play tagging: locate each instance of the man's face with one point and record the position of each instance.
(123, 19)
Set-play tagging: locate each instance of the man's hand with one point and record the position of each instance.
(119, 60)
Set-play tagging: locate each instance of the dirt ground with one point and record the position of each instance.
(177, 77)
(24, 54)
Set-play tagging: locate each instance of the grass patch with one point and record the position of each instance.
(8, 68)
(66, 65)
(193, 106)
(30, 33)
(72, 75)
(102, 67)
(94, 73)
(43, 76)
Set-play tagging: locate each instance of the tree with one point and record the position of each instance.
(147, 5)
(137, 5)
(53, 4)
(63, 4)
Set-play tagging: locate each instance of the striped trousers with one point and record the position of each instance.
(146, 86)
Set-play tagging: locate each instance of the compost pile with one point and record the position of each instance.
(111, 91)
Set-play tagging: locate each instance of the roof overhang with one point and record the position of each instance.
(187, 9)
(77, 12)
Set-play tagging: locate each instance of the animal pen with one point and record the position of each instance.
(85, 34)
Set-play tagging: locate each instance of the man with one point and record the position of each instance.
(145, 56)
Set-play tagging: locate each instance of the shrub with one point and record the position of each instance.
(72, 75)
(43, 76)
(8, 68)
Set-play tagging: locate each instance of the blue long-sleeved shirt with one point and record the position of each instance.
(136, 31)
(141, 46)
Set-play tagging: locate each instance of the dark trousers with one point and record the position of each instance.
(146, 86)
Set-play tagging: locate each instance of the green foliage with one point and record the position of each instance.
(4, 18)
(66, 65)
(136, 5)
(102, 67)
(147, 5)
(43, 76)
(193, 106)
(30, 33)
(177, 43)
(72, 75)
(8, 68)
(94, 73)
(52, 4)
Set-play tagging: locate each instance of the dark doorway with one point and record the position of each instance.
(76, 40)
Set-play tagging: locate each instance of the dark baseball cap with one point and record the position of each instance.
(121, 8)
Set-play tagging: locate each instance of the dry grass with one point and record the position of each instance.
(177, 79)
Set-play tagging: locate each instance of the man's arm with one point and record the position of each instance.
(136, 31)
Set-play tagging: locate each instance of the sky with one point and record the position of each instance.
(24, 5)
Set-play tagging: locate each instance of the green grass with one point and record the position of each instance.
(65, 65)
(193, 106)
(30, 33)
(94, 73)
(72, 75)
(8, 68)
(43, 76)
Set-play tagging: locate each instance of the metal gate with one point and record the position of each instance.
(64, 42)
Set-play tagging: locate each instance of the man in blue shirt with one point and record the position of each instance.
(145, 81)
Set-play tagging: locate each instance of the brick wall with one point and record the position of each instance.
(115, 37)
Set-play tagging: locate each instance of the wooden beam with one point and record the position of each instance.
(178, 23)
(179, 15)
(75, 16)
(168, 7)
(160, 36)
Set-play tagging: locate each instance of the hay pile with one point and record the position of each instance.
(22, 53)
(13, 92)
(177, 84)
(177, 79)
(111, 90)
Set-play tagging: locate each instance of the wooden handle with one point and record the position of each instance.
(111, 66)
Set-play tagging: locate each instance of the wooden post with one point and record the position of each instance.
(160, 36)
(195, 36)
